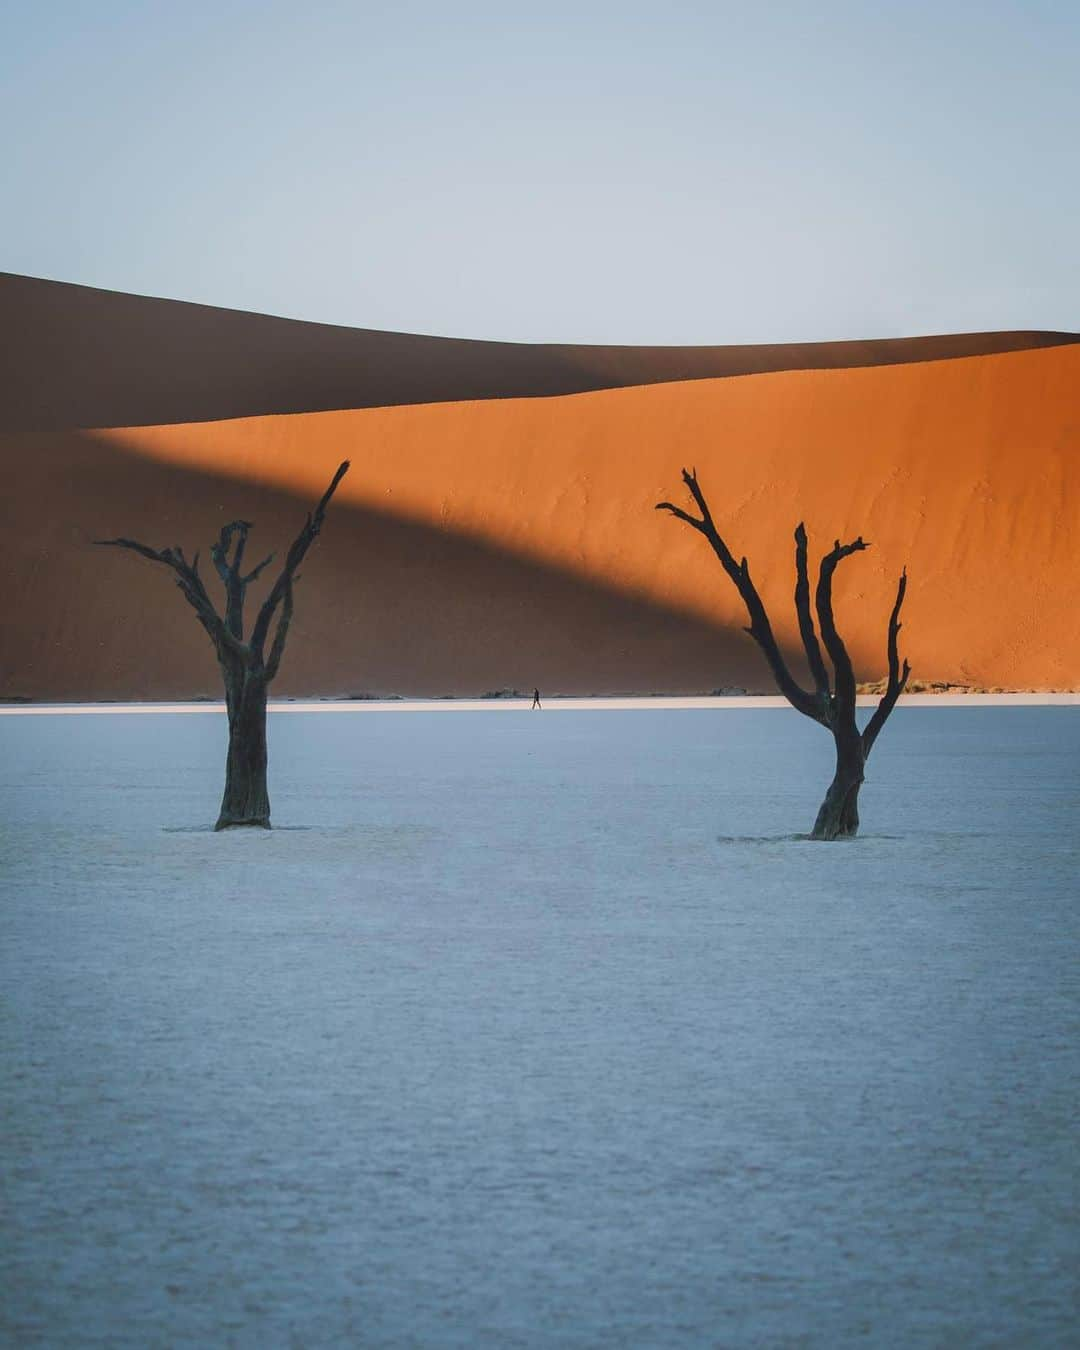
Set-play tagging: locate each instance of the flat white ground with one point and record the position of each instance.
(530, 1030)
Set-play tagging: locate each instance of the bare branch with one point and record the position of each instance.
(259, 567)
(228, 569)
(806, 619)
(898, 677)
(220, 551)
(277, 648)
(760, 628)
(238, 557)
(221, 566)
(844, 684)
(324, 500)
(682, 515)
(135, 547)
(294, 558)
(690, 479)
(190, 583)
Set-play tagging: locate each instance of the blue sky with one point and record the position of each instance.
(589, 172)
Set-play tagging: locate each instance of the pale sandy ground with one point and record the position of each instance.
(541, 1032)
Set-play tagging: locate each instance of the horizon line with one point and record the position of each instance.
(1065, 333)
(556, 703)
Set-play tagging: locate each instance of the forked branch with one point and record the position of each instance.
(227, 633)
(898, 676)
(228, 569)
(191, 586)
(257, 570)
(833, 702)
(806, 619)
(226, 566)
(294, 558)
(844, 679)
(277, 647)
(760, 628)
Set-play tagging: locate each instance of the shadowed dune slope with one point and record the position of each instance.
(512, 542)
(73, 356)
(384, 605)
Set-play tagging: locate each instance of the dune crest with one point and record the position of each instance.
(79, 357)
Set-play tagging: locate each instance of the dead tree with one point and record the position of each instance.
(830, 703)
(247, 667)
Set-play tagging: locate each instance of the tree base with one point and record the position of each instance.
(839, 814)
(830, 835)
(262, 823)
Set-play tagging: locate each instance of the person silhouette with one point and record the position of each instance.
(536, 700)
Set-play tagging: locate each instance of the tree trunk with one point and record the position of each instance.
(246, 801)
(830, 703)
(838, 817)
(246, 667)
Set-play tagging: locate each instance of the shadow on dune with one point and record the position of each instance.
(385, 606)
(77, 357)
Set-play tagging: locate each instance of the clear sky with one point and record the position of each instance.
(598, 171)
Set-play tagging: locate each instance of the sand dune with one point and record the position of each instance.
(385, 605)
(74, 356)
(488, 544)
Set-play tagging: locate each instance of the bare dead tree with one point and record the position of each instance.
(247, 667)
(832, 704)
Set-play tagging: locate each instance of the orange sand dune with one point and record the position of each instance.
(511, 542)
(384, 604)
(73, 356)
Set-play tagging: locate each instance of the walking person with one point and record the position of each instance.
(536, 700)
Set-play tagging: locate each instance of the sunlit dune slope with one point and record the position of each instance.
(504, 543)
(74, 356)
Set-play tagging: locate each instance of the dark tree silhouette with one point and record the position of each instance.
(833, 705)
(247, 668)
